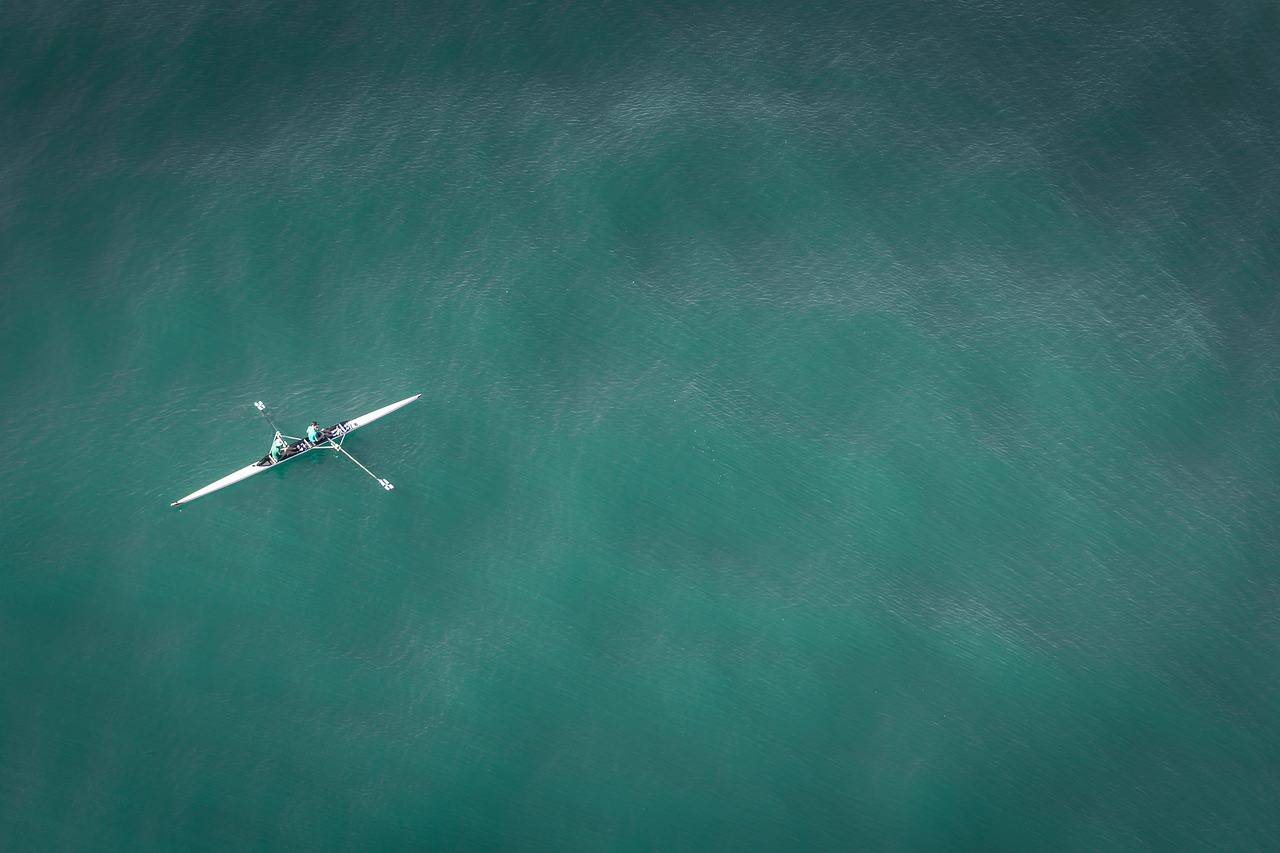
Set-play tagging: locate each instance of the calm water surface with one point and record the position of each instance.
(844, 427)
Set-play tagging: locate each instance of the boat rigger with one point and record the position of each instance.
(326, 439)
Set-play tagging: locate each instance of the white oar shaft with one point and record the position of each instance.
(262, 409)
(381, 481)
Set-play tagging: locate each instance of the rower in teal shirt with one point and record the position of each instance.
(277, 447)
(313, 432)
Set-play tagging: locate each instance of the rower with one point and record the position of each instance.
(277, 447)
(313, 432)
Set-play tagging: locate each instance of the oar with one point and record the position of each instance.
(381, 481)
(262, 407)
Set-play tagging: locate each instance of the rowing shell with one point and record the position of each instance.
(332, 435)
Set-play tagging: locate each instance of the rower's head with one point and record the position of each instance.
(313, 423)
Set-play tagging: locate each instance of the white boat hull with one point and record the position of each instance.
(339, 430)
(365, 420)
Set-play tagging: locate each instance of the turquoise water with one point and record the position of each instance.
(844, 427)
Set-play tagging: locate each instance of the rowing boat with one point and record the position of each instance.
(330, 438)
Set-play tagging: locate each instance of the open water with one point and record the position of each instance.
(846, 425)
